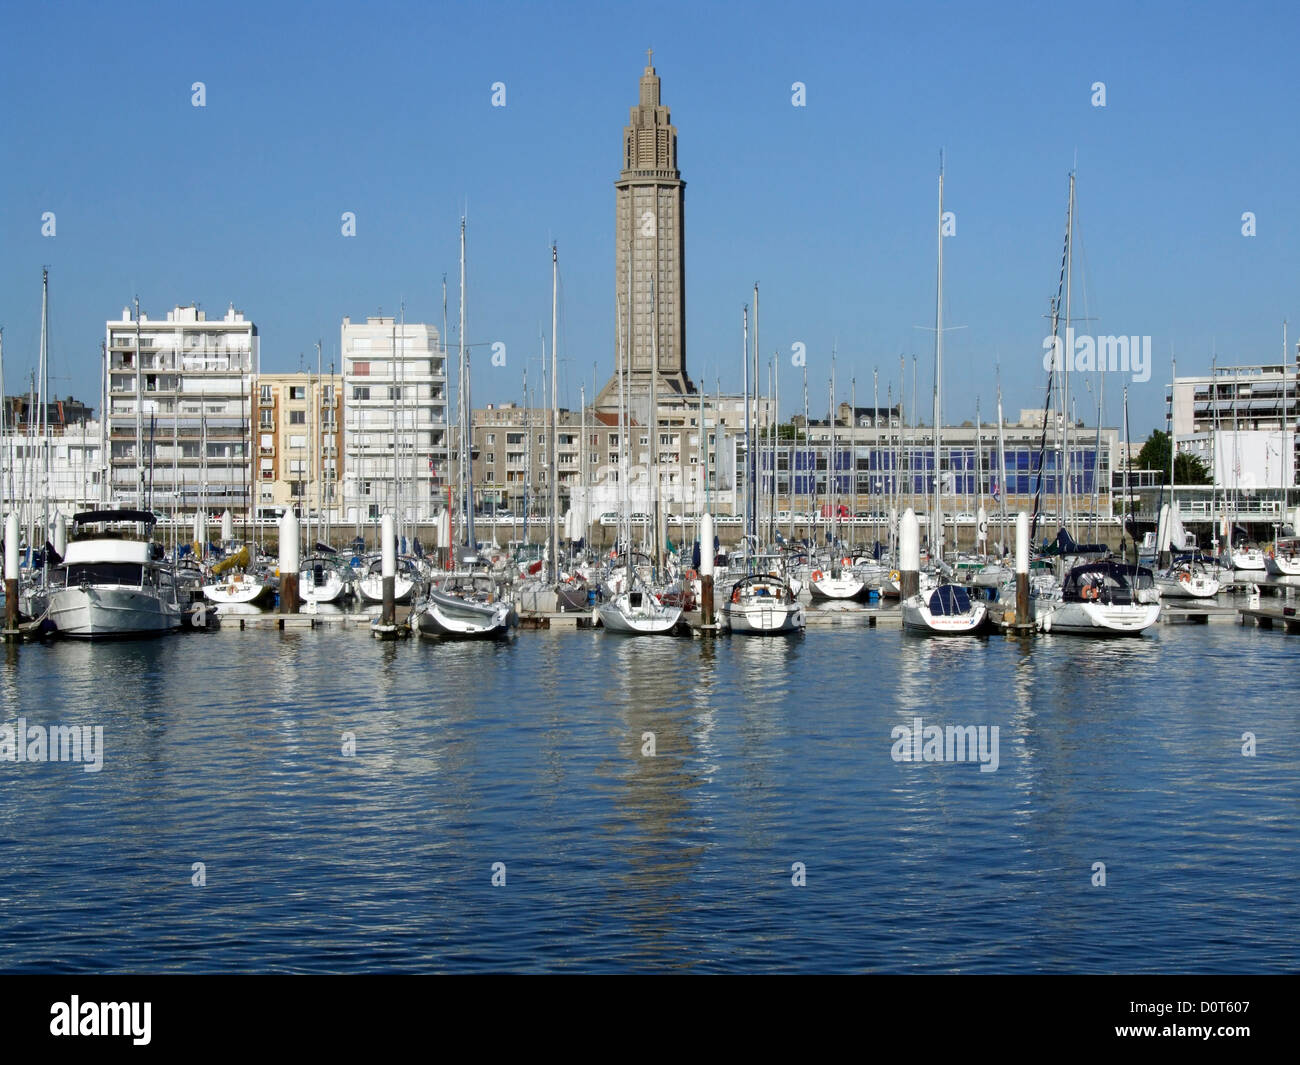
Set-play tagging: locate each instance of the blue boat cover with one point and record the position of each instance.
(949, 599)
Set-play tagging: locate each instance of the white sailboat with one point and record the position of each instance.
(839, 580)
(1100, 598)
(634, 610)
(1187, 580)
(948, 609)
(763, 604)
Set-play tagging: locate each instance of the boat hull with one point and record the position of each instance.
(837, 588)
(371, 589)
(918, 619)
(763, 619)
(99, 611)
(630, 622)
(1097, 619)
(1196, 588)
(246, 592)
(448, 617)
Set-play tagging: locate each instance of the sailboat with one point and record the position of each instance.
(763, 604)
(1101, 598)
(948, 609)
(634, 610)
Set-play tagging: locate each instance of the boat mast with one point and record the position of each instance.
(810, 467)
(936, 512)
(625, 519)
(749, 447)
(466, 455)
(139, 401)
(1002, 467)
(753, 467)
(656, 512)
(1067, 487)
(832, 481)
(45, 419)
(1131, 532)
(554, 538)
(979, 482)
(6, 479)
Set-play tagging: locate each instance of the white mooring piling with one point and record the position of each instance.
(909, 555)
(388, 538)
(11, 574)
(289, 562)
(1022, 569)
(706, 571)
(60, 534)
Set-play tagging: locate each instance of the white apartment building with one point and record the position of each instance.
(395, 425)
(179, 410)
(1241, 422)
(76, 469)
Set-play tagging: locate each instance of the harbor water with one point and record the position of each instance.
(317, 801)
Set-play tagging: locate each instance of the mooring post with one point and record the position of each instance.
(289, 562)
(706, 569)
(389, 571)
(11, 573)
(909, 555)
(1022, 570)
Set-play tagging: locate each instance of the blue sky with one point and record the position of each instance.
(384, 109)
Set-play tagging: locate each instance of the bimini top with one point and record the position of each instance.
(100, 517)
(1111, 582)
(949, 599)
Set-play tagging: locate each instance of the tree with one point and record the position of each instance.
(1188, 469)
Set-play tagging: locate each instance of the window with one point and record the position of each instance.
(327, 396)
(266, 393)
(297, 392)
(298, 466)
(360, 369)
(297, 441)
(360, 393)
(268, 442)
(491, 439)
(266, 420)
(395, 392)
(297, 417)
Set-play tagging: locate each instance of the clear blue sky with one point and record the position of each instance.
(384, 109)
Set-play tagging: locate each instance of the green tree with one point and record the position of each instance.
(1188, 469)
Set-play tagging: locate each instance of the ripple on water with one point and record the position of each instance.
(228, 750)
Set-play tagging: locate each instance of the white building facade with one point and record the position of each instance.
(179, 411)
(395, 426)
